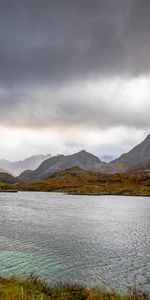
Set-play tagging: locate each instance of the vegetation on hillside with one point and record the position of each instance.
(33, 288)
(79, 181)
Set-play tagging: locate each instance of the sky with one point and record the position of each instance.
(74, 74)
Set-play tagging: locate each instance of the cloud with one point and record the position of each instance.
(104, 103)
(70, 67)
(20, 143)
(56, 55)
(55, 41)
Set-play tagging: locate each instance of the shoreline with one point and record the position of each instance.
(78, 193)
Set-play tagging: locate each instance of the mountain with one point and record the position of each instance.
(142, 167)
(17, 167)
(39, 167)
(139, 154)
(7, 178)
(82, 159)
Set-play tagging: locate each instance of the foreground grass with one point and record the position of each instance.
(33, 288)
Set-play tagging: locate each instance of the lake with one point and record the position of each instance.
(87, 239)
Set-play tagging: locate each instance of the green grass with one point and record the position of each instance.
(34, 289)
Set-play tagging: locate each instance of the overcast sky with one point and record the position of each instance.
(74, 74)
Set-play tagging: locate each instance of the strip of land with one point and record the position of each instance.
(84, 182)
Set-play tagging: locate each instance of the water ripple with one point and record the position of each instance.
(91, 240)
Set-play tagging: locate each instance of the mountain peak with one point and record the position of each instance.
(83, 151)
(86, 156)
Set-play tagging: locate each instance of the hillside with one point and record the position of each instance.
(135, 156)
(7, 178)
(142, 167)
(79, 181)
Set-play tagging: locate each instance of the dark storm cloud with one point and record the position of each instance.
(137, 36)
(49, 40)
(46, 45)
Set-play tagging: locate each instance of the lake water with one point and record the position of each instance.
(91, 240)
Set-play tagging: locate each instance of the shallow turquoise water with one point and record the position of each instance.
(21, 263)
(92, 240)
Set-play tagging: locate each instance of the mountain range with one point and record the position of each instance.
(59, 163)
(17, 167)
(40, 167)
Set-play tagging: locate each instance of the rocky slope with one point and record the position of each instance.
(142, 167)
(139, 154)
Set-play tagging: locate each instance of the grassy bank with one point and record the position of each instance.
(33, 288)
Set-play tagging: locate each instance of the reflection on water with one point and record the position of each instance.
(92, 240)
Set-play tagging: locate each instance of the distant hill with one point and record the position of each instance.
(139, 154)
(60, 163)
(7, 178)
(17, 167)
